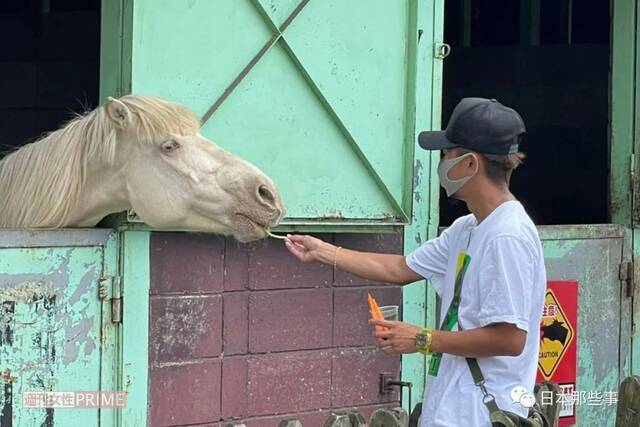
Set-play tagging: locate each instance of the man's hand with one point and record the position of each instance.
(306, 248)
(397, 337)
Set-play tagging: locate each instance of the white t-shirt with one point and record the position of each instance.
(505, 282)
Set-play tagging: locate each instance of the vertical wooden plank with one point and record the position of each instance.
(622, 185)
(410, 129)
(135, 327)
(635, 121)
(110, 48)
(418, 298)
(634, 129)
(635, 341)
(415, 233)
(622, 109)
(624, 126)
(434, 156)
(110, 360)
(626, 307)
(115, 48)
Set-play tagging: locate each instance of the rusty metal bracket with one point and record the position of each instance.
(104, 283)
(388, 383)
(626, 275)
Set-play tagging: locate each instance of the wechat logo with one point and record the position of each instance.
(520, 395)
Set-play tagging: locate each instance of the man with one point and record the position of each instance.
(494, 254)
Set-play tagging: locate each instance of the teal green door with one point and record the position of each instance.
(625, 128)
(55, 335)
(626, 132)
(594, 255)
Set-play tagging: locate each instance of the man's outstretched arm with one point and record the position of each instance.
(384, 268)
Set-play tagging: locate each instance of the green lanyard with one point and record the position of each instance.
(451, 317)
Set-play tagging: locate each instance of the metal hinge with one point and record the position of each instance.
(632, 172)
(627, 277)
(116, 301)
(441, 50)
(116, 296)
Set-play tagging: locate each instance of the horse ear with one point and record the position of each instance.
(118, 113)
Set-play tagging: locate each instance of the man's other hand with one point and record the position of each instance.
(395, 337)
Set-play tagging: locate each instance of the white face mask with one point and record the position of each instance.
(451, 186)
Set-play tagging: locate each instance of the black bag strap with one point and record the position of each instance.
(476, 373)
(487, 398)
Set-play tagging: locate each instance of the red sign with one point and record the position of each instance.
(557, 361)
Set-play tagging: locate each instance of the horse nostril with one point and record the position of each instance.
(266, 195)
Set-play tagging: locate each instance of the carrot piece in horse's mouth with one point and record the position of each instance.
(275, 236)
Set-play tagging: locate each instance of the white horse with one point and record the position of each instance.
(140, 153)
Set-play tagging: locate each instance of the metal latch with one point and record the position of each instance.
(441, 50)
(626, 275)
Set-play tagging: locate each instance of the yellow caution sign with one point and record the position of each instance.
(556, 334)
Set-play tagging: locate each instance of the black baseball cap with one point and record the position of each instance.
(478, 124)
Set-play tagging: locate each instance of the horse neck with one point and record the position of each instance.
(55, 182)
(103, 193)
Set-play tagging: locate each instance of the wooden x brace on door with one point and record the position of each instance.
(278, 36)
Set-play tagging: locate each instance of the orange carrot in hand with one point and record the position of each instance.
(375, 311)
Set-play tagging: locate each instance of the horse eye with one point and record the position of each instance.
(170, 146)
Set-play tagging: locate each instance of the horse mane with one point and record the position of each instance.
(41, 183)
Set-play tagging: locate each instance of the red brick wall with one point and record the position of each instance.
(247, 332)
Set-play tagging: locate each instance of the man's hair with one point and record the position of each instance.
(499, 167)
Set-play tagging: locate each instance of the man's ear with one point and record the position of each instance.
(119, 113)
(477, 161)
